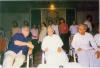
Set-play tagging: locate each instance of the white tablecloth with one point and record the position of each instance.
(0, 66)
(67, 65)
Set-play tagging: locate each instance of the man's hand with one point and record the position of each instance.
(59, 50)
(30, 45)
(46, 49)
(97, 54)
(79, 49)
(30, 51)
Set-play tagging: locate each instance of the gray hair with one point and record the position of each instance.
(83, 25)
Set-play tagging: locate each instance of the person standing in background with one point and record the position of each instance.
(73, 28)
(88, 22)
(43, 32)
(15, 28)
(34, 32)
(35, 37)
(55, 27)
(63, 31)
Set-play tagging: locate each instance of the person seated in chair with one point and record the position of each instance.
(85, 46)
(52, 46)
(18, 49)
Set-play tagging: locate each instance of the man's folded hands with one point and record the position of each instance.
(30, 45)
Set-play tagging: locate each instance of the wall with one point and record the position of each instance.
(52, 15)
(6, 19)
(81, 16)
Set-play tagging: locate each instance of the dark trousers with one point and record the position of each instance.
(65, 39)
(36, 45)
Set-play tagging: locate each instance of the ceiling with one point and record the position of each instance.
(26, 5)
(49, 0)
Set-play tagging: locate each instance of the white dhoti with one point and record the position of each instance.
(88, 58)
(95, 61)
(66, 65)
(56, 58)
(83, 58)
(52, 56)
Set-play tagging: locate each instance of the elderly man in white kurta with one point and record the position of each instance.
(52, 45)
(84, 46)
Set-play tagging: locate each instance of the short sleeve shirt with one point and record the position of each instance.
(16, 48)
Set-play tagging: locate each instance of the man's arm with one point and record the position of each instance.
(20, 43)
(30, 49)
(92, 42)
(59, 49)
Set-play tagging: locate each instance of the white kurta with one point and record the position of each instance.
(52, 56)
(97, 40)
(85, 57)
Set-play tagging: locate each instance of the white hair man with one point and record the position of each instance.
(84, 45)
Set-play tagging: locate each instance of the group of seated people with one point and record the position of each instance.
(86, 47)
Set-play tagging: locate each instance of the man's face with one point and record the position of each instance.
(50, 30)
(62, 21)
(25, 31)
(89, 18)
(82, 30)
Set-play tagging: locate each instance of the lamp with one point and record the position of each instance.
(52, 6)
